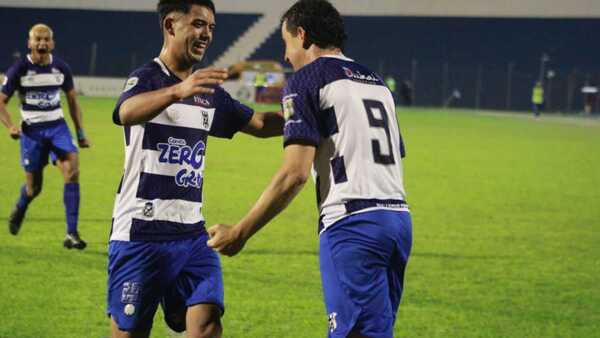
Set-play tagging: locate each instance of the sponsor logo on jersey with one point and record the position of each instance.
(31, 72)
(131, 82)
(201, 101)
(42, 99)
(176, 151)
(357, 75)
(55, 70)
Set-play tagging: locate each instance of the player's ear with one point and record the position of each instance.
(301, 34)
(168, 26)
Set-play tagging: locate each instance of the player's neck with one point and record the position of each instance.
(40, 59)
(315, 52)
(179, 68)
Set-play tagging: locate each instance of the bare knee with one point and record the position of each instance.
(212, 329)
(204, 321)
(72, 175)
(33, 190)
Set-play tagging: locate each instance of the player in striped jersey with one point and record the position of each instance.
(158, 251)
(38, 78)
(340, 119)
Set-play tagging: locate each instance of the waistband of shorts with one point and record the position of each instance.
(45, 124)
(361, 204)
(357, 205)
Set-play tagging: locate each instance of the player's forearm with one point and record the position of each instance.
(281, 191)
(5, 116)
(266, 125)
(75, 112)
(144, 107)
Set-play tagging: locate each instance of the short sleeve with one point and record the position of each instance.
(140, 81)
(300, 107)
(68, 81)
(230, 115)
(11, 79)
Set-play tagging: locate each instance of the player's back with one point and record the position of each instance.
(358, 159)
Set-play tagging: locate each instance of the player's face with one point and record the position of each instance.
(194, 32)
(41, 41)
(295, 54)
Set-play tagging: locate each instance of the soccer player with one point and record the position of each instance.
(39, 77)
(341, 121)
(157, 250)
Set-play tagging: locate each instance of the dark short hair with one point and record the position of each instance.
(323, 24)
(164, 7)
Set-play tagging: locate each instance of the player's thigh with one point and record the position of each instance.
(34, 150)
(355, 257)
(135, 284)
(400, 257)
(200, 281)
(62, 146)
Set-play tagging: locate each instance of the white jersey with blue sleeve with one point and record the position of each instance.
(160, 194)
(348, 114)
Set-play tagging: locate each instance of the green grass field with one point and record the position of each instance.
(506, 213)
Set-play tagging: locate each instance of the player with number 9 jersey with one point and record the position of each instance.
(348, 113)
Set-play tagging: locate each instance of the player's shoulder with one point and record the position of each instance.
(150, 68)
(328, 69)
(20, 63)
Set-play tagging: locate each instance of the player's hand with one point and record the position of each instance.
(202, 81)
(84, 143)
(225, 239)
(14, 132)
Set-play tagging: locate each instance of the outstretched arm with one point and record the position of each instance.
(75, 112)
(265, 125)
(146, 106)
(13, 130)
(285, 185)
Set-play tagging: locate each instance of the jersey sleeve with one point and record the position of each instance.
(230, 115)
(140, 81)
(300, 107)
(11, 80)
(68, 81)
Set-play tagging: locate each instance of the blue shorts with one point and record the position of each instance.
(362, 259)
(176, 274)
(38, 141)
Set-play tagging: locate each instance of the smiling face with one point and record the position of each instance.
(189, 35)
(40, 42)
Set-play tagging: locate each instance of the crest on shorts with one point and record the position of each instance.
(129, 309)
(332, 321)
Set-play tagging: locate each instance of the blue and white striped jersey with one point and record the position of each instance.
(38, 87)
(160, 194)
(346, 111)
